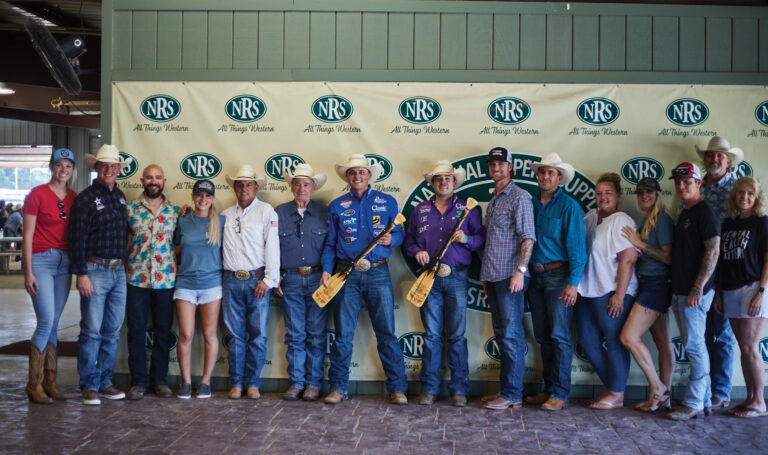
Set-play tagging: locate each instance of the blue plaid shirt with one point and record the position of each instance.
(98, 226)
(509, 220)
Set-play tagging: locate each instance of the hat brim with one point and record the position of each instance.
(377, 170)
(260, 180)
(565, 169)
(458, 173)
(91, 160)
(319, 179)
(736, 154)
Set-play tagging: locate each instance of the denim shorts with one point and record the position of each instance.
(653, 293)
(198, 296)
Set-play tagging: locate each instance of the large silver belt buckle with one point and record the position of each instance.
(242, 275)
(444, 270)
(115, 264)
(539, 267)
(306, 270)
(363, 265)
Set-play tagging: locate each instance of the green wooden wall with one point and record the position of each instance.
(426, 40)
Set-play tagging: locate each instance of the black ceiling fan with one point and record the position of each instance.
(61, 58)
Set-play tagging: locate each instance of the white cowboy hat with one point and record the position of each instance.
(444, 167)
(552, 159)
(359, 160)
(246, 172)
(304, 170)
(720, 144)
(107, 153)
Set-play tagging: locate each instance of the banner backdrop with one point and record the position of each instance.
(196, 130)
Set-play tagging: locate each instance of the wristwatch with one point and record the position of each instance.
(761, 289)
(522, 268)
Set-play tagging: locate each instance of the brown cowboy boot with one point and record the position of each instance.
(34, 389)
(49, 372)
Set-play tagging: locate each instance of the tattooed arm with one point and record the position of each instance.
(517, 282)
(708, 264)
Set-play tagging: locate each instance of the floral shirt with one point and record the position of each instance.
(151, 260)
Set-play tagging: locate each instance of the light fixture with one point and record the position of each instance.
(4, 90)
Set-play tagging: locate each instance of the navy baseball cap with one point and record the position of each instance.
(62, 154)
(499, 154)
(204, 186)
(648, 184)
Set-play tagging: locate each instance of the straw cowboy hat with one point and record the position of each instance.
(552, 159)
(304, 170)
(720, 144)
(444, 167)
(246, 172)
(359, 160)
(107, 153)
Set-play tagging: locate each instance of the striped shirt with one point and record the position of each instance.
(509, 220)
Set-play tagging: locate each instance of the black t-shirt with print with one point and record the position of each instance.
(742, 251)
(694, 226)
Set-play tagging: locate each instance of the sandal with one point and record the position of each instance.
(656, 402)
(735, 409)
(605, 405)
(748, 413)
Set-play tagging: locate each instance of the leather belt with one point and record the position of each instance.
(243, 275)
(112, 264)
(541, 268)
(304, 271)
(373, 264)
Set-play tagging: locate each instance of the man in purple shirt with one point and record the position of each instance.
(504, 273)
(445, 310)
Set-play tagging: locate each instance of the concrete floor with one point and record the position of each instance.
(364, 424)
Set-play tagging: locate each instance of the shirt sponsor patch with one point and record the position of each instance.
(379, 200)
(346, 203)
(377, 220)
(349, 221)
(378, 208)
(273, 223)
(99, 205)
(349, 239)
(423, 229)
(423, 219)
(349, 212)
(122, 201)
(349, 230)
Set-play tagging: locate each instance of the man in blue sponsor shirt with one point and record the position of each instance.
(356, 218)
(558, 261)
(302, 227)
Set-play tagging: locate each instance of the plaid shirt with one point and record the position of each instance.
(717, 195)
(151, 262)
(509, 220)
(98, 226)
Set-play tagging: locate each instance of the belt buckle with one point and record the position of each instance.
(305, 270)
(444, 270)
(363, 265)
(242, 275)
(539, 267)
(115, 264)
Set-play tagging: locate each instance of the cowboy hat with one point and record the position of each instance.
(246, 172)
(444, 167)
(720, 144)
(552, 159)
(107, 153)
(304, 170)
(359, 160)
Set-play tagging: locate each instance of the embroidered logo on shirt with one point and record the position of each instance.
(378, 208)
(377, 220)
(346, 203)
(423, 229)
(349, 221)
(99, 205)
(349, 212)
(349, 239)
(122, 201)
(379, 200)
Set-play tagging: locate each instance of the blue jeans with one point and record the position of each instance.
(507, 320)
(51, 270)
(305, 324)
(444, 316)
(101, 317)
(552, 330)
(720, 344)
(692, 323)
(595, 327)
(375, 286)
(140, 302)
(246, 319)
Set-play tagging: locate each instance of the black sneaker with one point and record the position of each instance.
(185, 391)
(203, 391)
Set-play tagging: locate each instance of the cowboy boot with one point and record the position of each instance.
(49, 372)
(34, 389)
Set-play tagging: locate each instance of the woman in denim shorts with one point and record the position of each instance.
(46, 271)
(198, 284)
(653, 299)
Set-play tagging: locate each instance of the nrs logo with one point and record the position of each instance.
(332, 109)
(640, 168)
(330, 337)
(492, 349)
(160, 108)
(420, 110)
(129, 166)
(245, 108)
(374, 159)
(679, 348)
(742, 169)
(687, 112)
(412, 345)
(277, 164)
(509, 110)
(597, 111)
(761, 113)
(198, 166)
(149, 339)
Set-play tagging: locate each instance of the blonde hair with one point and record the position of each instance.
(652, 217)
(759, 207)
(214, 227)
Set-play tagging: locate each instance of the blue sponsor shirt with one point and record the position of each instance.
(301, 238)
(355, 222)
(560, 234)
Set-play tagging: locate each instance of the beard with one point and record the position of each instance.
(153, 192)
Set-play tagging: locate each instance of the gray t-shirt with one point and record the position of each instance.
(661, 235)
(13, 223)
(200, 265)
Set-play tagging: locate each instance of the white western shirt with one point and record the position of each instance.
(251, 240)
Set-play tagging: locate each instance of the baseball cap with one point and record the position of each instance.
(686, 170)
(62, 153)
(648, 184)
(499, 154)
(204, 186)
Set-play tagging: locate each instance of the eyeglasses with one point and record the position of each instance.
(62, 214)
(682, 172)
(237, 225)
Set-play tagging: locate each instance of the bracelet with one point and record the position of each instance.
(761, 289)
(466, 239)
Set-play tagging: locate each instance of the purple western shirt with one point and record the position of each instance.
(428, 229)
